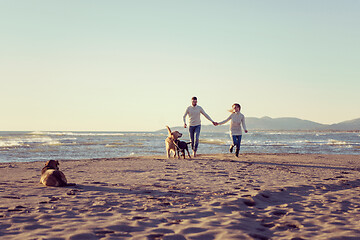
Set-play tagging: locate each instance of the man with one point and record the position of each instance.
(195, 123)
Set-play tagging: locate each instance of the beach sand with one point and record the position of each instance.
(256, 196)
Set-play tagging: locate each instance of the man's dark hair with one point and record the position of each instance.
(194, 98)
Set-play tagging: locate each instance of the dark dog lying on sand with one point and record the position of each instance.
(52, 176)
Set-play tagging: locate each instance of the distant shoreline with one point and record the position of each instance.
(246, 154)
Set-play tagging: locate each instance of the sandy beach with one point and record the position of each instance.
(256, 196)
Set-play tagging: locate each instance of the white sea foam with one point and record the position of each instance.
(336, 142)
(10, 143)
(30, 146)
(333, 142)
(214, 141)
(53, 143)
(27, 141)
(76, 134)
(116, 144)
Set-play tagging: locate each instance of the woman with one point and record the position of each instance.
(237, 119)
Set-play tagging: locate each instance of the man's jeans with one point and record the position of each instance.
(194, 135)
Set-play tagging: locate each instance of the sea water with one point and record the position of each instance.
(41, 146)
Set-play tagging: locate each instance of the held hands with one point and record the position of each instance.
(215, 124)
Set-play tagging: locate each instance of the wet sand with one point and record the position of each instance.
(256, 196)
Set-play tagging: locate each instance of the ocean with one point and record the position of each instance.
(41, 146)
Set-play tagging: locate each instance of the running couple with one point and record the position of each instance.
(237, 119)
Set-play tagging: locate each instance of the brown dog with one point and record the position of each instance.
(170, 142)
(52, 176)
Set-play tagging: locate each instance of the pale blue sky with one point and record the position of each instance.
(134, 65)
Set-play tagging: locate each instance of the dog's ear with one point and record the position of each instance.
(57, 163)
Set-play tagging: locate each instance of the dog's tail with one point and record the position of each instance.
(188, 143)
(168, 130)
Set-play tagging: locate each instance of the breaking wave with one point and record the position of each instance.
(42, 145)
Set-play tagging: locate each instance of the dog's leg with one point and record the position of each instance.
(168, 153)
(187, 153)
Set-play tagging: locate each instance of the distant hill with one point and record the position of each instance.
(346, 126)
(290, 124)
(267, 123)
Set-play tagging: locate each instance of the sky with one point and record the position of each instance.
(84, 65)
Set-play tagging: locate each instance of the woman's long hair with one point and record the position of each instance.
(233, 110)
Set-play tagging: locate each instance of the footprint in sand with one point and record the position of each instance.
(171, 165)
(265, 195)
(34, 227)
(249, 202)
(279, 212)
(102, 233)
(17, 209)
(125, 228)
(23, 220)
(139, 218)
(192, 230)
(268, 222)
(163, 231)
(100, 183)
(155, 236)
(223, 173)
(174, 237)
(83, 236)
(164, 180)
(340, 176)
(72, 192)
(258, 236)
(4, 226)
(171, 169)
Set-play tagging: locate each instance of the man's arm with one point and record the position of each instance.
(206, 115)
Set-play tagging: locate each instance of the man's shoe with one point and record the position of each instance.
(237, 152)
(231, 148)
